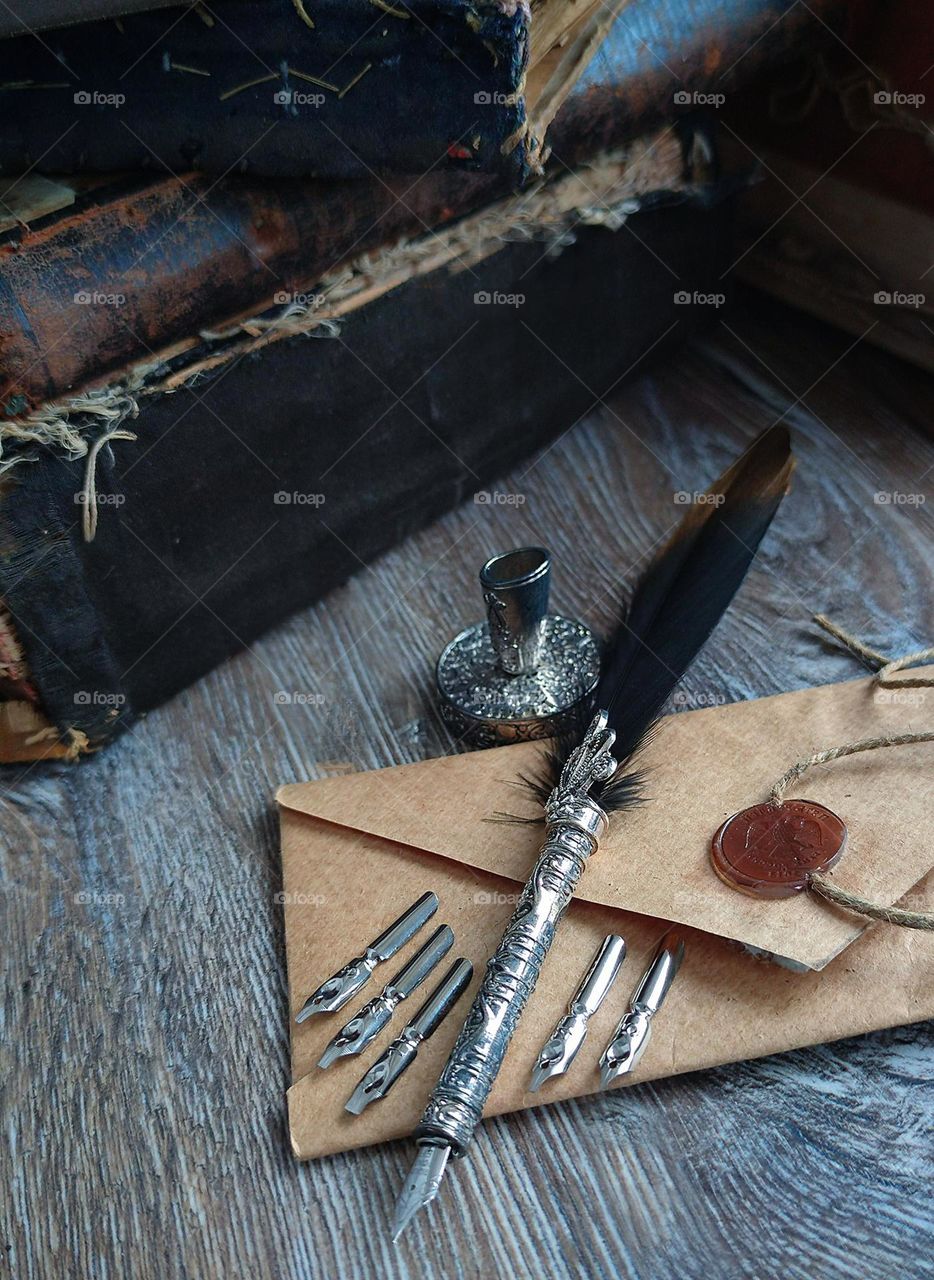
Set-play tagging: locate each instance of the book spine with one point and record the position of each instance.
(92, 289)
(352, 88)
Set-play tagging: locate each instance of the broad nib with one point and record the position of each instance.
(339, 989)
(421, 1186)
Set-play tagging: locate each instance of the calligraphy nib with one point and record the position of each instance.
(622, 1054)
(421, 1186)
(556, 1055)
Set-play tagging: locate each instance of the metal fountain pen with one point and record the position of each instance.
(574, 825)
(672, 609)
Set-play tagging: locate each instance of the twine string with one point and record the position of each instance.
(884, 668)
(800, 768)
(863, 907)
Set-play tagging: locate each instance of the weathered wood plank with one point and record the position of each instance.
(145, 1039)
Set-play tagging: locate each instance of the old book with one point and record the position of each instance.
(131, 266)
(139, 265)
(353, 87)
(90, 266)
(255, 470)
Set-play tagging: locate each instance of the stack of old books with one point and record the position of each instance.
(283, 279)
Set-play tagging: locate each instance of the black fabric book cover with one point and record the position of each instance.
(344, 88)
(267, 483)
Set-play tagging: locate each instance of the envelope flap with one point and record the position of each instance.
(703, 765)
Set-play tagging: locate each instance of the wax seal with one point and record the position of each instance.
(769, 851)
(523, 673)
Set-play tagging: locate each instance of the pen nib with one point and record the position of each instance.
(550, 1063)
(560, 1051)
(622, 1054)
(421, 1186)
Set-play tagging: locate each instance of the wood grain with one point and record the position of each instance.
(145, 1049)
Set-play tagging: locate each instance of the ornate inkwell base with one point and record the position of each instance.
(524, 673)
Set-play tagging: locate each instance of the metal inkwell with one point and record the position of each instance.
(523, 673)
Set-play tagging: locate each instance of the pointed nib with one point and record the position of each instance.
(621, 1056)
(421, 1186)
(307, 1009)
(617, 1061)
(544, 1071)
(609, 1074)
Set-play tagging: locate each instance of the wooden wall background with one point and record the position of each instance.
(145, 1047)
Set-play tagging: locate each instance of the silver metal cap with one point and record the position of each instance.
(515, 590)
(524, 673)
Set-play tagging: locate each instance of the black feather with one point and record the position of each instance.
(678, 602)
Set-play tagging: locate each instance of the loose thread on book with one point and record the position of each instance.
(89, 493)
(303, 14)
(884, 668)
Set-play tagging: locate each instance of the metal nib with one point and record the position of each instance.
(344, 985)
(562, 1047)
(560, 1051)
(337, 991)
(383, 1074)
(363, 1029)
(622, 1054)
(421, 1186)
(360, 1031)
(400, 1055)
(371, 1086)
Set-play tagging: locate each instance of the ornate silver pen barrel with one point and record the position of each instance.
(622, 1054)
(564, 1043)
(574, 825)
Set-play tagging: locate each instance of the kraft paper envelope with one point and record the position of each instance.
(359, 849)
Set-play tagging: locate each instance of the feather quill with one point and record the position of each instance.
(675, 606)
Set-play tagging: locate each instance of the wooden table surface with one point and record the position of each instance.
(144, 1020)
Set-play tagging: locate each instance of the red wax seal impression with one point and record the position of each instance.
(769, 851)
